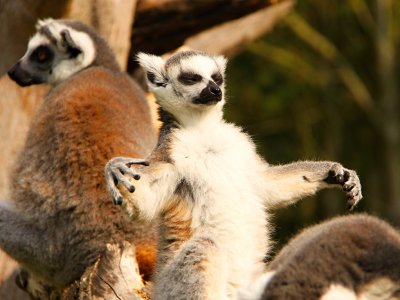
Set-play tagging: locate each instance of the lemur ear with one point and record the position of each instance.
(221, 62)
(154, 67)
(72, 48)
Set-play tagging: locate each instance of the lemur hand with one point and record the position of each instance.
(349, 181)
(117, 171)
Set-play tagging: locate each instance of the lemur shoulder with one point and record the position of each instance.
(61, 217)
(208, 184)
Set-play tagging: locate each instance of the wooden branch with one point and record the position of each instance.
(230, 37)
(164, 25)
(114, 276)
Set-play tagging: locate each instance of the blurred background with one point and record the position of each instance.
(324, 84)
(314, 80)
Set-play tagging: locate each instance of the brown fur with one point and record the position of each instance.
(350, 251)
(174, 230)
(58, 181)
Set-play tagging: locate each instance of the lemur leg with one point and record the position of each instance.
(288, 183)
(155, 184)
(198, 271)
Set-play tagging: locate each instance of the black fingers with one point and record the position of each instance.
(118, 200)
(334, 178)
(140, 162)
(347, 187)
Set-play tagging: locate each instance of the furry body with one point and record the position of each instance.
(357, 256)
(209, 185)
(62, 216)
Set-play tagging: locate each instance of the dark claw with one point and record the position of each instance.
(136, 177)
(346, 176)
(118, 201)
(131, 189)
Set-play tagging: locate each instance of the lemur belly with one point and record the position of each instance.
(218, 162)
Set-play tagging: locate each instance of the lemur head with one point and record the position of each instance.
(59, 49)
(188, 83)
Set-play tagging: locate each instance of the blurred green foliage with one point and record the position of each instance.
(324, 85)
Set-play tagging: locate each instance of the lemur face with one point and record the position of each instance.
(188, 79)
(54, 53)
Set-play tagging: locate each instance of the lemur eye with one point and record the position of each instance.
(189, 78)
(217, 77)
(42, 54)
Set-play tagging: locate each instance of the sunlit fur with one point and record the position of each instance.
(174, 96)
(210, 187)
(63, 67)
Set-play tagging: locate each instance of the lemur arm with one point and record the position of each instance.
(20, 238)
(286, 184)
(146, 198)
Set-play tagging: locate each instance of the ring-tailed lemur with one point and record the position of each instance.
(348, 257)
(63, 216)
(208, 184)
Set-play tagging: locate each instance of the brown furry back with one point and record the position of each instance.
(58, 180)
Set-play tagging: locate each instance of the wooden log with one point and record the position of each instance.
(114, 276)
(164, 25)
(230, 37)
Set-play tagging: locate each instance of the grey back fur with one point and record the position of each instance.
(351, 251)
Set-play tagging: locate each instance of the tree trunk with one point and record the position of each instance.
(113, 19)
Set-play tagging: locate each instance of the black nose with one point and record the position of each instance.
(211, 94)
(13, 70)
(215, 90)
(23, 77)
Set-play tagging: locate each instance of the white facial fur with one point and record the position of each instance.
(173, 95)
(63, 66)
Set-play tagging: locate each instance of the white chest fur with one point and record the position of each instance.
(220, 164)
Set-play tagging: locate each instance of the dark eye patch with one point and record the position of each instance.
(217, 77)
(42, 54)
(189, 78)
(152, 78)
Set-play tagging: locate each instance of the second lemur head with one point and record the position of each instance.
(58, 50)
(188, 84)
